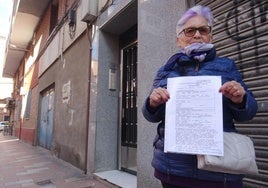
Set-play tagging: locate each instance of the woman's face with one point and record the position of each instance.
(195, 30)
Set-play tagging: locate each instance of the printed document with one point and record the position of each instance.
(194, 122)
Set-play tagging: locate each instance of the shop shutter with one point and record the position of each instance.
(241, 33)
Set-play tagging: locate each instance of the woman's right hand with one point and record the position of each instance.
(158, 96)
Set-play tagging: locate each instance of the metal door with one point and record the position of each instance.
(241, 33)
(46, 119)
(129, 109)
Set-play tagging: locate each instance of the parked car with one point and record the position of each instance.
(2, 125)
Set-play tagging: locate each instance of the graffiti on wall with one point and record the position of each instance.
(247, 18)
(247, 25)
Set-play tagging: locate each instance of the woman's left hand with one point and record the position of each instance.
(234, 91)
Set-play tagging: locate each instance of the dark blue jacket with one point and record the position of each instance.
(181, 65)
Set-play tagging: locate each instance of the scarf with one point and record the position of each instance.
(197, 51)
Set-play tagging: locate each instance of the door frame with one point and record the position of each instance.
(121, 109)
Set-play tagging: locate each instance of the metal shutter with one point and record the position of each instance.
(241, 33)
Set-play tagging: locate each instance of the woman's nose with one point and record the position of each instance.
(197, 34)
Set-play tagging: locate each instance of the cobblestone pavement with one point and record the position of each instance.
(25, 166)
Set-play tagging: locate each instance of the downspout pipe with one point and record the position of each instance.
(89, 35)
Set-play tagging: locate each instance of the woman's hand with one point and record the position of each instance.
(158, 96)
(234, 91)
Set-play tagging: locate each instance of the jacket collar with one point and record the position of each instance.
(182, 59)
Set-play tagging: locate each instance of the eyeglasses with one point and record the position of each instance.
(191, 31)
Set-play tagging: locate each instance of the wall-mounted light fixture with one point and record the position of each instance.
(72, 23)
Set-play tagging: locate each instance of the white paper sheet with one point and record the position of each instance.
(194, 122)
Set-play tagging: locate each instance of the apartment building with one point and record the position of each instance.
(83, 68)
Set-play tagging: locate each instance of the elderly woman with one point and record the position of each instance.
(197, 56)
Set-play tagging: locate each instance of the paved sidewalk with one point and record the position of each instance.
(26, 166)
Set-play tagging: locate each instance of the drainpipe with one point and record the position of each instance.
(89, 17)
(88, 33)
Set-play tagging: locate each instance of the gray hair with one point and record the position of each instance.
(197, 10)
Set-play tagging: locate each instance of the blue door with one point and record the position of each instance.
(46, 119)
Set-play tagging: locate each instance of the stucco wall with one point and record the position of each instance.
(70, 116)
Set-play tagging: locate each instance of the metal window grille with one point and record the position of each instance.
(129, 96)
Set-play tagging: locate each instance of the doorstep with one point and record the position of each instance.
(118, 178)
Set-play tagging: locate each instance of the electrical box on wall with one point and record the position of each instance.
(89, 10)
(112, 79)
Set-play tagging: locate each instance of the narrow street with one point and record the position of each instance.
(26, 166)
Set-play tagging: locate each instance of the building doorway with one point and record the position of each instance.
(46, 118)
(128, 144)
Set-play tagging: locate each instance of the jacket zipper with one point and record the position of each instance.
(224, 183)
(168, 171)
(197, 64)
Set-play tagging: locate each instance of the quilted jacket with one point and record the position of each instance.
(181, 65)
